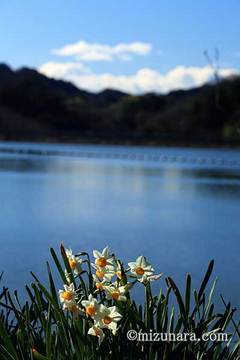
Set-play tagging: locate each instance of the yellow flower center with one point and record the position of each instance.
(99, 286)
(101, 262)
(100, 274)
(67, 295)
(107, 320)
(90, 310)
(73, 264)
(119, 275)
(139, 270)
(115, 294)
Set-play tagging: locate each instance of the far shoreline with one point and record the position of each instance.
(135, 141)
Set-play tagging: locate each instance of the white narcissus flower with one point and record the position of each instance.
(105, 273)
(67, 296)
(99, 284)
(91, 306)
(118, 269)
(116, 293)
(67, 275)
(108, 318)
(141, 269)
(74, 262)
(96, 331)
(103, 258)
(155, 277)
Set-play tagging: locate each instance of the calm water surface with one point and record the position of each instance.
(179, 213)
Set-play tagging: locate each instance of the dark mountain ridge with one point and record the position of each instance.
(35, 107)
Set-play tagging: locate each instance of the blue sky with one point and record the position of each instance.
(163, 41)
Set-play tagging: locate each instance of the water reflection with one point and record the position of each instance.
(179, 216)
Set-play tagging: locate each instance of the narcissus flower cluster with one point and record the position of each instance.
(103, 317)
(111, 286)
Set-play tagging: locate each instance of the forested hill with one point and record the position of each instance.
(34, 107)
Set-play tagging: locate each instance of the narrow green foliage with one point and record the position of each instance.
(42, 329)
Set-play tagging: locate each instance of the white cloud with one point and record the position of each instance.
(60, 70)
(85, 51)
(144, 80)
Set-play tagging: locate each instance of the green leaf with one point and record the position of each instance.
(188, 294)
(51, 283)
(7, 342)
(206, 279)
(59, 267)
(180, 302)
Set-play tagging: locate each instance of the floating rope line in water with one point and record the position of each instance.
(126, 156)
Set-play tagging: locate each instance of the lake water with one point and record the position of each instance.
(179, 207)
